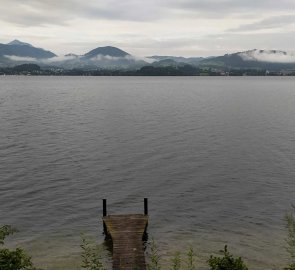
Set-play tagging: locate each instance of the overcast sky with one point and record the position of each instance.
(150, 27)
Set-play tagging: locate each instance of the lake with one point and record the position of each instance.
(214, 155)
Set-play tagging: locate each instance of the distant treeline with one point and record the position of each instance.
(184, 70)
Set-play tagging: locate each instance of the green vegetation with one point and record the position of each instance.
(5, 231)
(227, 262)
(290, 220)
(154, 263)
(13, 259)
(91, 258)
(190, 263)
(149, 70)
(176, 261)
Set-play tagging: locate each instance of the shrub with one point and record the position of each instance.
(91, 258)
(290, 220)
(154, 263)
(227, 262)
(13, 259)
(190, 263)
(176, 261)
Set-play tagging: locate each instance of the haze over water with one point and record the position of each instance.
(215, 156)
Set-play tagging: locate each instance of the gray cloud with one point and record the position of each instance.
(229, 7)
(32, 13)
(20, 58)
(36, 12)
(60, 58)
(130, 10)
(234, 42)
(268, 56)
(177, 27)
(269, 23)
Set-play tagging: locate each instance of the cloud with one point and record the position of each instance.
(60, 58)
(113, 58)
(142, 58)
(27, 14)
(105, 57)
(177, 27)
(229, 7)
(130, 10)
(268, 56)
(20, 58)
(53, 12)
(269, 23)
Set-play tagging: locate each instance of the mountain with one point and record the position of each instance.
(179, 59)
(165, 57)
(72, 55)
(108, 57)
(107, 51)
(271, 56)
(252, 59)
(20, 43)
(17, 51)
(168, 63)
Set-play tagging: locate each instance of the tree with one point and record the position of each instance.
(13, 259)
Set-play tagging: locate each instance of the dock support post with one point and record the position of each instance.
(104, 202)
(104, 213)
(146, 207)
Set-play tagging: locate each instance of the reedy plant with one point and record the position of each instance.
(5, 231)
(91, 258)
(154, 263)
(190, 263)
(176, 261)
(290, 223)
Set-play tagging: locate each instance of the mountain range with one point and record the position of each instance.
(17, 52)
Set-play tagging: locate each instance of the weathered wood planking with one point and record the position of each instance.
(127, 232)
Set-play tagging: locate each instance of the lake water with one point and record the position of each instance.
(215, 156)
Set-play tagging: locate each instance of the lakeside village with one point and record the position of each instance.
(185, 70)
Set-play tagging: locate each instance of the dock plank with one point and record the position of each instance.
(127, 232)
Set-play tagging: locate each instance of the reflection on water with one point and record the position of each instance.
(215, 157)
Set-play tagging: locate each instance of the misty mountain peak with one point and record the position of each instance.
(19, 43)
(273, 56)
(19, 50)
(106, 51)
(72, 55)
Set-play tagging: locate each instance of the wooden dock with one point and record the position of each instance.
(127, 232)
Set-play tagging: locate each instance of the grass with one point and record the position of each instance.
(91, 258)
(290, 224)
